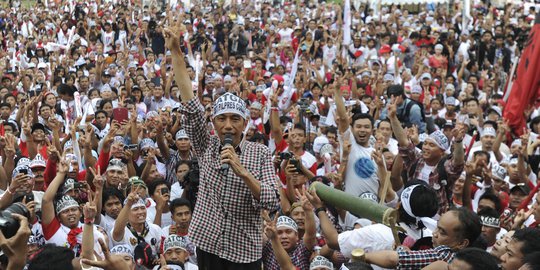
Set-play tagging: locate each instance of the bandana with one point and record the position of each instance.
(68, 185)
(20, 169)
(320, 261)
(181, 134)
(489, 131)
(174, 241)
(498, 172)
(430, 223)
(146, 143)
(65, 203)
(38, 161)
(116, 164)
(287, 222)
(440, 140)
(138, 203)
(229, 103)
(122, 249)
(490, 221)
(23, 161)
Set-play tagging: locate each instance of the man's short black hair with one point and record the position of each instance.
(178, 203)
(50, 255)
(358, 116)
(529, 239)
(5, 104)
(65, 89)
(470, 224)
(395, 90)
(101, 111)
(154, 184)
(532, 260)
(477, 259)
(494, 198)
(471, 99)
(109, 193)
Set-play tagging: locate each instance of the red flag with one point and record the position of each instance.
(524, 91)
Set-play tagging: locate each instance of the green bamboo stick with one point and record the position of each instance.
(355, 205)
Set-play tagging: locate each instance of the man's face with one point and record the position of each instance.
(430, 151)
(38, 178)
(490, 234)
(516, 197)
(45, 112)
(38, 135)
(183, 144)
(288, 238)
(157, 92)
(299, 216)
(297, 138)
(512, 259)
(362, 129)
(83, 84)
(114, 178)
(182, 216)
(500, 245)
(232, 124)
(101, 120)
(472, 107)
(70, 217)
(536, 207)
(177, 255)
(386, 129)
(487, 142)
(112, 207)
(446, 232)
(5, 111)
(137, 215)
(485, 203)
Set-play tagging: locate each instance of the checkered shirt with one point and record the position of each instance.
(411, 156)
(413, 260)
(226, 221)
(300, 256)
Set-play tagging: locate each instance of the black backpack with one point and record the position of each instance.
(404, 116)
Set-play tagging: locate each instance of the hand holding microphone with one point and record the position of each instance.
(227, 141)
(229, 159)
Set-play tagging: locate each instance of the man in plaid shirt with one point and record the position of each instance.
(425, 165)
(226, 226)
(456, 230)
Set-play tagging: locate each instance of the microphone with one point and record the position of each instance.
(228, 140)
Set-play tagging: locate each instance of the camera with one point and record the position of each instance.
(191, 182)
(8, 224)
(23, 171)
(164, 190)
(296, 164)
(285, 155)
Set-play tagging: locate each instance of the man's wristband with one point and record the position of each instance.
(89, 221)
(319, 210)
(460, 141)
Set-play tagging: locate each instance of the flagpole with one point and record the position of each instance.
(508, 87)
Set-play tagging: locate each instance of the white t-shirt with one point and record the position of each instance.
(153, 238)
(56, 233)
(361, 169)
(426, 171)
(166, 218)
(107, 223)
(371, 238)
(176, 191)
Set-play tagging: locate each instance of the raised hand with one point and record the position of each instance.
(270, 229)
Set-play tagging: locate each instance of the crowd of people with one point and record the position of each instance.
(190, 135)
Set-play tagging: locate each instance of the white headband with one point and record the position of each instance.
(430, 223)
